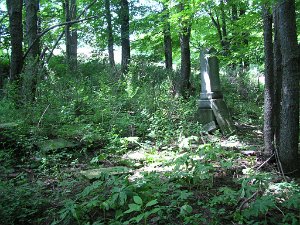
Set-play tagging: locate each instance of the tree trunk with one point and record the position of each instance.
(225, 42)
(185, 61)
(167, 41)
(289, 122)
(216, 23)
(110, 37)
(277, 79)
(14, 8)
(32, 7)
(71, 35)
(185, 71)
(30, 81)
(125, 41)
(234, 12)
(269, 83)
(245, 43)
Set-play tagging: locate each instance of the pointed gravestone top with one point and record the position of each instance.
(210, 78)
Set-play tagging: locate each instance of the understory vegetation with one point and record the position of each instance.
(139, 154)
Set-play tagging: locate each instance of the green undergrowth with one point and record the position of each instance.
(203, 185)
(166, 169)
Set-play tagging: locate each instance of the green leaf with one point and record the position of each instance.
(151, 203)
(119, 214)
(133, 208)
(186, 209)
(138, 200)
(105, 205)
(153, 211)
(139, 217)
(122, 198)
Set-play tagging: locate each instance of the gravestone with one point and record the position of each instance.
(97, 173)
(212, 111)
(51, 145)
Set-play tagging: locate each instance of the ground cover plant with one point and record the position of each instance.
(136, 159)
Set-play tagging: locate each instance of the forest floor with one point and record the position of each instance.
(207, 179)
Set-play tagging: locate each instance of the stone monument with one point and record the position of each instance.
(212, 112)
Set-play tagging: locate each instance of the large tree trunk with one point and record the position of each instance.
(277, 79)
(32, 7)
(289, 122)
(185, 71)
(185, 61)
(71, 35)
(30, 81)
(110, 37)
(167, 41)
(269, 84)
(14, 8)
(125, 41)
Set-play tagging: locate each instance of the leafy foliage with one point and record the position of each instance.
(191, 177)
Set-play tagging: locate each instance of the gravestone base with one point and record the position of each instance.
(207, 119)
(205, 116)
(213, 114)
(223, 117)
(204, 104)
(210, 127)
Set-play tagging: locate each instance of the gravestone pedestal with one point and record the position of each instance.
(212, 111)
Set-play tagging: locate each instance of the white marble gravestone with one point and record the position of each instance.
(212, 111)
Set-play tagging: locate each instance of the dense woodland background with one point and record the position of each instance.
(99, 112)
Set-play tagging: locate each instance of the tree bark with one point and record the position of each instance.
(30, 81)
(167, 41)
(277, 79)
(71, 35)
(125, 41)
(32, 7)
(185, 61)
(185, 71)
(269, 83)
(289, 122)
(110, 37)
(14, 8)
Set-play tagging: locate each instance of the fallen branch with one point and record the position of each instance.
(265, 162)
(247, 200)
(279, 164)
(40, 120)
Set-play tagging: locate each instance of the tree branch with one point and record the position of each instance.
(216, 23)
(51, 28)
(54, 46)
(63, 32)
(86, 8)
